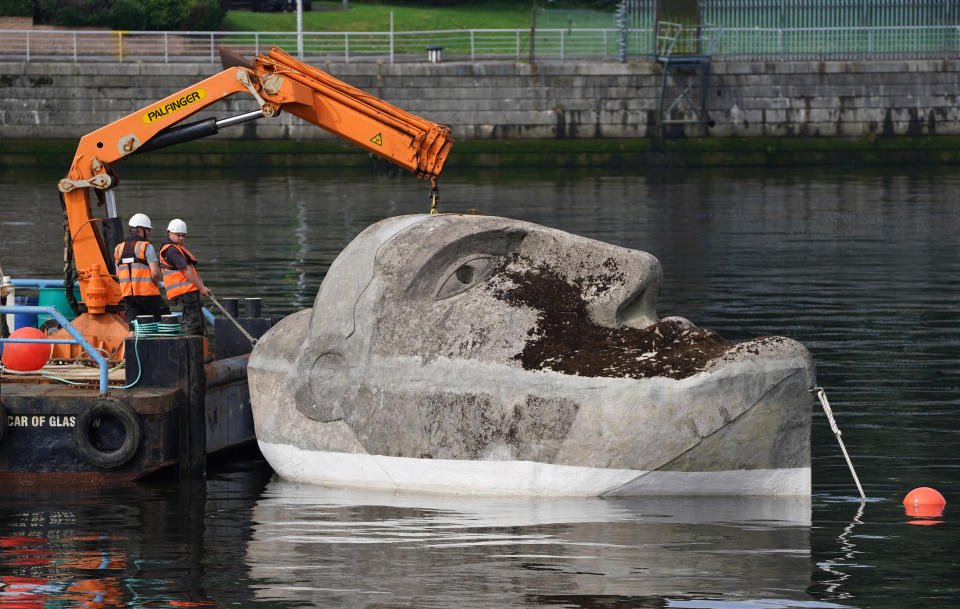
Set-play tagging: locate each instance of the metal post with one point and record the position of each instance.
(212, 43)
(533, 32)
(74, 47)
(621, 19)
(166, 53)
(256, 43)
(472, 50)
(300, 30)
(346, 47)
(28, 46)
(391, 36)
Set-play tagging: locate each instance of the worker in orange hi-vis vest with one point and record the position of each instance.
(180, 278)
(138, 272)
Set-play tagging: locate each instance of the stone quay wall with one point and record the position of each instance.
(507, 100)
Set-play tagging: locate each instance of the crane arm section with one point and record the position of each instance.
(416, 144)
(277, 82)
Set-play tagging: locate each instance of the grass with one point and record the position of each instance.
(328, 16)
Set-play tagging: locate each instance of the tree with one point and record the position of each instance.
(17, 8)
(132, 14)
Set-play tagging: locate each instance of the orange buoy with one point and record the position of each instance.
(26, 357)
(924, 502)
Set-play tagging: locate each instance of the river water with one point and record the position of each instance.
(860, 266)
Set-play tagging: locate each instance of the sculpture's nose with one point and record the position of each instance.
(629, 295)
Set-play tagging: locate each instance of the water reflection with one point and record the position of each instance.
(136, 546)
(847, 553)
(330, 547)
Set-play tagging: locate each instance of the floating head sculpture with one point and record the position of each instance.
(449, 345)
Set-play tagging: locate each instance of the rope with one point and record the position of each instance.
(822, 396)
(136, 353)
(158, 328)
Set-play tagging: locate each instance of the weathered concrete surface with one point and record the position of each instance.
(566, 100)
(487, 355)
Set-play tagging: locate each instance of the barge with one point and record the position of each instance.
(167, 406)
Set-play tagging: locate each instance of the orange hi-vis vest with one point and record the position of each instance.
(176, 282)
(133, 270)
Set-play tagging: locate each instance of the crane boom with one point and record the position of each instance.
(277, 82)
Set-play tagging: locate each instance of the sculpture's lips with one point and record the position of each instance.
(566, 340)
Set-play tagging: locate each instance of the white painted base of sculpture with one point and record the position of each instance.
(520, 478)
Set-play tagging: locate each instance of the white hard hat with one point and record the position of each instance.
(177, 226)
(140, 220)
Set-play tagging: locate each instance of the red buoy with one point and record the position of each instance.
(26, 357)
(924, 502)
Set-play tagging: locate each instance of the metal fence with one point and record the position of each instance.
(168, 47)
(835, 28)
(729, 42)
(880, 42)
(843, 14)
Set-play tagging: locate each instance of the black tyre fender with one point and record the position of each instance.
(132, 428)
(3, 422)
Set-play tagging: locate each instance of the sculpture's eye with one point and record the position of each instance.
(466, 275)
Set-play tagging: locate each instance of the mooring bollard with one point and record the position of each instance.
(231, 305)
(252, 307)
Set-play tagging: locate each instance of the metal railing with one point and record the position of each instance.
(877, 42)
(829, 13)
(169, 47)
(735, 43)
(78, 338)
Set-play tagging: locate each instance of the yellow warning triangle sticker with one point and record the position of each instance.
(377, 139)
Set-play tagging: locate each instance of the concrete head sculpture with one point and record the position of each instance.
(483, 354)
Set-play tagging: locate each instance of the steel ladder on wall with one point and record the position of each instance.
(684, 52)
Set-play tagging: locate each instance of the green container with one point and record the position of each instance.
(56, 297)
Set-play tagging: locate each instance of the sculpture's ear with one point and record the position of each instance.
(321, 397)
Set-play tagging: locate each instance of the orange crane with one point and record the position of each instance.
(277, 82)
